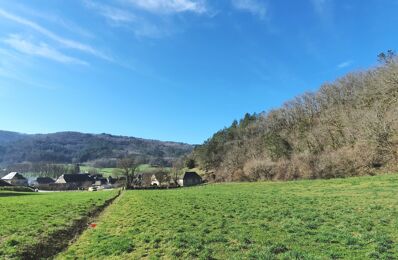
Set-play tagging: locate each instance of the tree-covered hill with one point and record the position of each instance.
(346, 128)
(74, 147)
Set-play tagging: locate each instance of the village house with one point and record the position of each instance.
(15, 178)
(99, 180)
(160, 179)
(76, 180)
(189, 179)
(143, 179)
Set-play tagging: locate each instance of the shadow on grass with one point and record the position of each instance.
(14, 194)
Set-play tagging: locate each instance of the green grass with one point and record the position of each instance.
(27, 219)
(355, 218)
(16, 188)
(106, 172)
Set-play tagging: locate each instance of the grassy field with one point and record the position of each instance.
(355, 218)
(30, 219)
(106, 172)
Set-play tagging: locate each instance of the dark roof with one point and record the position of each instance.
(4, 183)
(77, 177)
(190, 175)
(44, 180)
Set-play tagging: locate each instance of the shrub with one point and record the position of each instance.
(259, 170)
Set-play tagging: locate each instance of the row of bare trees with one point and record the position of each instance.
(348, 127)
(128, 168)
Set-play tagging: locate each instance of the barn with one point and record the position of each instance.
(189, 179)
(15, 178)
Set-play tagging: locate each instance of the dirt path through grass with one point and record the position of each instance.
(63, 238)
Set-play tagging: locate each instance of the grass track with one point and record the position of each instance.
(28, 220)
(355, 218)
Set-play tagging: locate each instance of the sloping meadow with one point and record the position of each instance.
(37, 224)
(354, 218)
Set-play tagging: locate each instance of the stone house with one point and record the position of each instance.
(189, 179)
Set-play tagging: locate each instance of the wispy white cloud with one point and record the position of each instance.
(110, 12)
(13, 66)
(140, 25)
(320, 6)
(324, 10)
(255, 7)
(40, 50)
(61, 40)
(345, 64)
(54, 18)
(170, 6)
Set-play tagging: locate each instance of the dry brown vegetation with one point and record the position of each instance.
(347, 128)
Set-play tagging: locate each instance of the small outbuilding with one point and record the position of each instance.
(189, 179)
(15, 178)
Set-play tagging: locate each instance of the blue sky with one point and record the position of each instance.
(175, 69)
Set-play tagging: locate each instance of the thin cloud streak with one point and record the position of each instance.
(54, 18)
(252, 6)
(40, 50)
(324, 10)
(345, 64)
(170, 6)
(10, 69)
(139, 25)
(65, 42)
(320, 6)
(112, 13)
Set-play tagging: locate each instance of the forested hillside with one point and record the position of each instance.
(347, 128)
(72, 147)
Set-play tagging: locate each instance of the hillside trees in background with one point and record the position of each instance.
(101, 150)
(42, 169)
(346, 128)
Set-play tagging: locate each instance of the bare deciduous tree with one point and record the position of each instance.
(129, 166)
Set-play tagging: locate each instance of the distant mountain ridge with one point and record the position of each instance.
(75, 147)
(7, 137)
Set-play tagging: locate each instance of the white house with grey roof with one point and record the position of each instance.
(15, 178)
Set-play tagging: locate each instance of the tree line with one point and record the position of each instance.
(346, 128)
(101, 150)
(42, 169)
